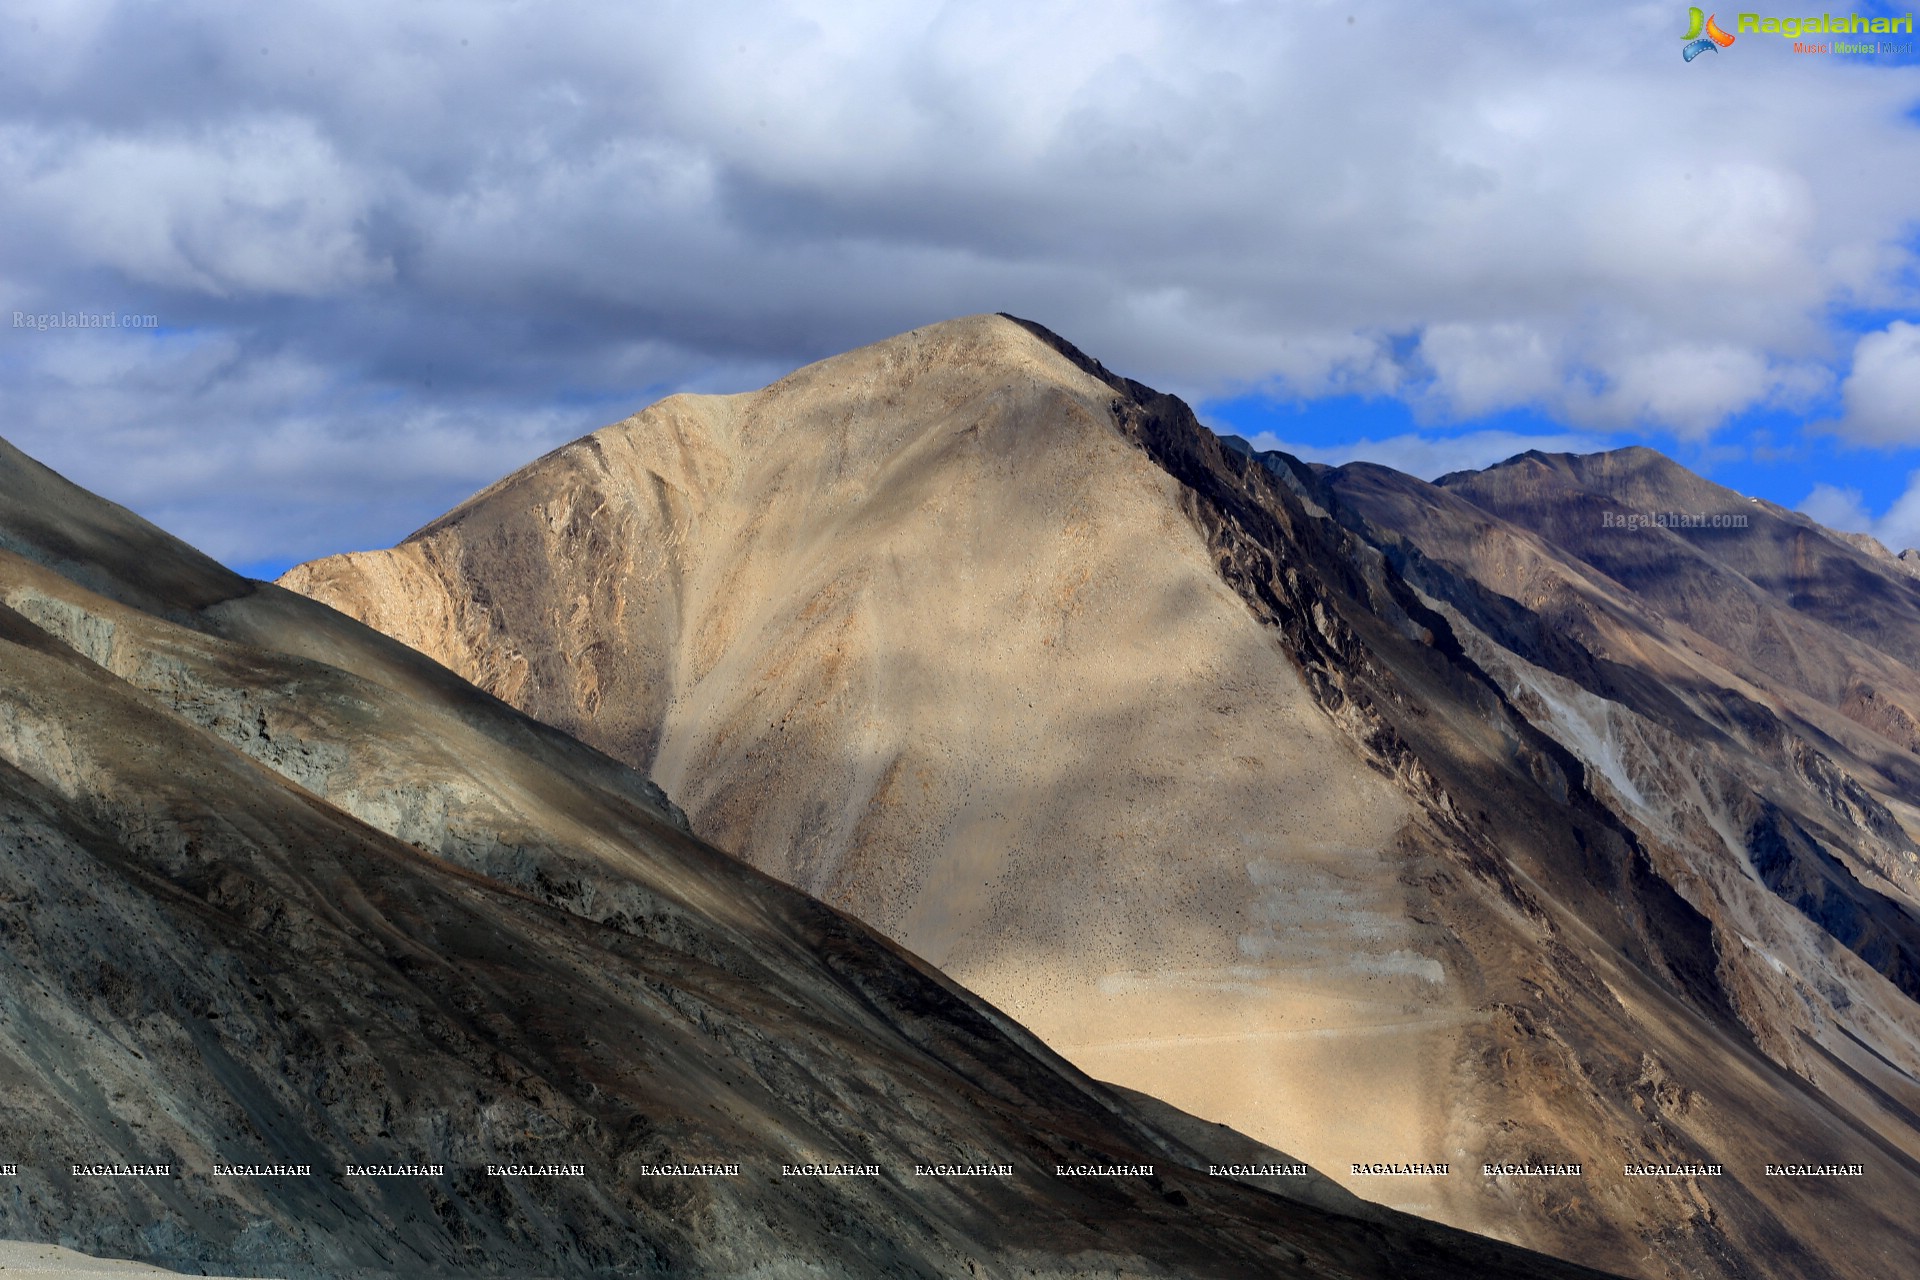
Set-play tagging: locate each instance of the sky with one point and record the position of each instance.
(363, 259)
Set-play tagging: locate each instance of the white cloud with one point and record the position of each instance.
(1882, 393)
(261, 206)
(1691, 388)
(1483, 368)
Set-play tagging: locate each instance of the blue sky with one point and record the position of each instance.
(395, 251)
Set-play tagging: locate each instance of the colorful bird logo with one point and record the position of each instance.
(1703, 35)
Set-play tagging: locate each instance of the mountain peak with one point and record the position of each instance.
(1009, 657)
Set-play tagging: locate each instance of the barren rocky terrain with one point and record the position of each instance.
(282, 896)
(1230, 780)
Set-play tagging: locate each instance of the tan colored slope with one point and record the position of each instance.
(978, 683)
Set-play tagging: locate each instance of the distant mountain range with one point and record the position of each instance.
(1556, 814)
(317, 960)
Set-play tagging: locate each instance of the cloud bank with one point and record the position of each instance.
(395, 250)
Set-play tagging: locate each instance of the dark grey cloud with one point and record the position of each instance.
(397, 249)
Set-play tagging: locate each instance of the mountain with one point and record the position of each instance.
(1218, 773)
(1745, 685)
(315, 960)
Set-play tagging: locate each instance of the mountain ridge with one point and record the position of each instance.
(1263, 816)
(277, 890)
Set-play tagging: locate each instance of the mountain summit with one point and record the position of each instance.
(1297, 798)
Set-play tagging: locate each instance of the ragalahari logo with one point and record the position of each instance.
(1703, 35)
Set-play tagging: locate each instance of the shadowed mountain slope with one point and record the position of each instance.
(1715, 679)
(1733, 647)
(1800, 606)
(1010, 657)
(276, 891)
